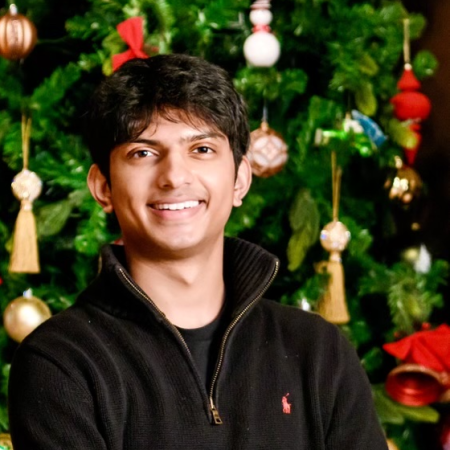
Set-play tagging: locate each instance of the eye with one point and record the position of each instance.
(141, 153)
(203, 150)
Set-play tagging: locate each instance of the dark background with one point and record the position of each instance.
(433, 159)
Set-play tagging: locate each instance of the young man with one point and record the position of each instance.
(173, 346)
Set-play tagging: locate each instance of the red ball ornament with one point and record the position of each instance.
(412, 107)
(409, 104)
(17, 35)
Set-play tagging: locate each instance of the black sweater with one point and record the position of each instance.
(112, 373)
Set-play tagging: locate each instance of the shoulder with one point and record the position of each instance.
(62, 324)
(296, 321)
(318, 342)
(65, 337)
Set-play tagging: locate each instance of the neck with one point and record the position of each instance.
(189, 291)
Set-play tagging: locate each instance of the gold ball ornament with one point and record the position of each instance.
(23, 315)
(406, 184)
(18, 35)
(268, 151)
(5, 441)
(391, 445)
(26, 185)
(334, 237)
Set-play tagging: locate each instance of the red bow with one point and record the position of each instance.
(424, 377)
(427, 348)
(131, 31)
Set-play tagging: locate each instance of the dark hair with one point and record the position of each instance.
(123, 105)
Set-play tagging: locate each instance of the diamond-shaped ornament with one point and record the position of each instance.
(268, 151)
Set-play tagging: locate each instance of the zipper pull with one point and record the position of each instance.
(215, 413)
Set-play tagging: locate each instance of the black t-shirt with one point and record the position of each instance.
(204, 344)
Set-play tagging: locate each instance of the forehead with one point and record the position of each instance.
(181, 121)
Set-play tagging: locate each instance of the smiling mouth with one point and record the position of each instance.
(175, 206)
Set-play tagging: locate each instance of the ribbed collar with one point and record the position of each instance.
(248, 272)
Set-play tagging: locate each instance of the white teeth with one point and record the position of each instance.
(177, 206)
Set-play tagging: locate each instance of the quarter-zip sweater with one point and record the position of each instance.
(112, 373)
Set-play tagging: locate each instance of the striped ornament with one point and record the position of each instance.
(17, 35)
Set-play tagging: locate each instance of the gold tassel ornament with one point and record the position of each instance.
(334, 238)
(26, 187)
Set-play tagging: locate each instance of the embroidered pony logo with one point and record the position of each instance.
(286, 404)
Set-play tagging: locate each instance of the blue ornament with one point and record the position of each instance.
(371, 128)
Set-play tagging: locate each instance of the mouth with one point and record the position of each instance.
(175, 206)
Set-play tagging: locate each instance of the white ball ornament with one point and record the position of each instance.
(260, 16)
(262, 49)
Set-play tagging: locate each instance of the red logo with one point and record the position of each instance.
(286, 404)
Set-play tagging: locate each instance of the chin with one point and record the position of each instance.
(186, 246)
(174, 247)
(173, 244)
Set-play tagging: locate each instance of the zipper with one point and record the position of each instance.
(147, 298)
(215, 414)
(214, 411)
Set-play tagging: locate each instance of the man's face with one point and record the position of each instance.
(172, 189)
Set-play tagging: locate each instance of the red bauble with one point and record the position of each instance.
(408, 81)
(411, 106)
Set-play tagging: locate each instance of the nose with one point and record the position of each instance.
(174, 171)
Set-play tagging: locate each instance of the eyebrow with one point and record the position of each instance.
(191, 138)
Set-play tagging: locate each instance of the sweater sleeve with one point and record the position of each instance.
(48, 408)
(354, 424)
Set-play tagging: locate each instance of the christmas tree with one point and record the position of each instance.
(339, 66)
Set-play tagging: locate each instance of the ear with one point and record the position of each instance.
(243, 181)
(100, 189)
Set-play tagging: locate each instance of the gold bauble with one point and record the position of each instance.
(335, 236)
(17, 35)
(411, 255)
(268, 151)
(26, 185)
(406, 184)
(391, 445)
(23, 315)
(5, 441)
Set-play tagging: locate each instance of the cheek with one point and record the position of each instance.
(127, 197)
(222, 186)
(128, 181)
